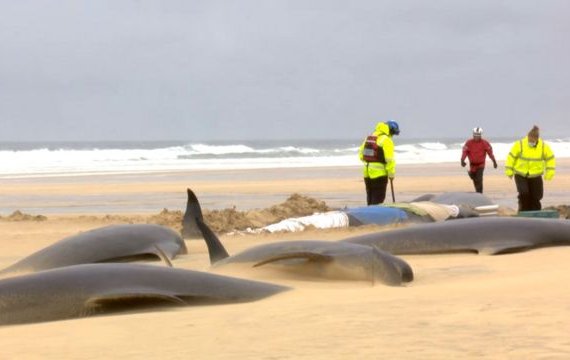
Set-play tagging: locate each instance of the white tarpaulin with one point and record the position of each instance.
(330, 219)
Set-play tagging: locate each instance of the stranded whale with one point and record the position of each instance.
(91, 289)
(490, 235)
(115, 243)
(325, 259)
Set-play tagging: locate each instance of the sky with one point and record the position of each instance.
(75, 70)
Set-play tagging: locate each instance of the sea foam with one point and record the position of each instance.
(46, 159)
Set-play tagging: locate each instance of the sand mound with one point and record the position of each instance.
(296, 205)
(231, 219)
(166, 217)
(20, 216)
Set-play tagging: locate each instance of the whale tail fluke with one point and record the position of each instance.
(190, 229)
(216, 249)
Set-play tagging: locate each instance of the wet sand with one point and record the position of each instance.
(251, 189)
(459, 306)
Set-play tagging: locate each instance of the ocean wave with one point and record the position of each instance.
(48, 159)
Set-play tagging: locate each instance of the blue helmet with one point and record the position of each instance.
(394, 127)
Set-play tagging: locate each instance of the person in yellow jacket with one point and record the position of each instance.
(528, 160)
(377, 154)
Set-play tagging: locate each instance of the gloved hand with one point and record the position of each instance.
(510, 176)
(463, 163)
(494, 164)
(391, 177)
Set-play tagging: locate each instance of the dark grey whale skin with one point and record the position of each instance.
(486, 235)
(324, 259)
(328, 259)
(92, 289)
(106, 244)
(190, 229)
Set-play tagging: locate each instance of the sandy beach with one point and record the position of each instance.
(459, 305)
(249, 189)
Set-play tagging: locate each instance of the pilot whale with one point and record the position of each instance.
(93, 289)
(324, 259)
(114, 243)
(488, 235)
(317, 258)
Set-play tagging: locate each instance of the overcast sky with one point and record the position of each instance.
(280, 69)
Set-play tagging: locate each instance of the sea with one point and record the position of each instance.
(44, 159)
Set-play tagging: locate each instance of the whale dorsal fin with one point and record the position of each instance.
(193, 211)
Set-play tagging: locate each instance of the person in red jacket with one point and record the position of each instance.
(476, 149)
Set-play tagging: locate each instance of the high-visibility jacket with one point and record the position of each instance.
(529, 162)
(375, 170)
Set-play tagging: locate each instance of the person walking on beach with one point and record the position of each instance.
(528, 160)
(476, 150)
(377, 154)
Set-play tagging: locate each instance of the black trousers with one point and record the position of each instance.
(376, 190)
(530, 192)
(477, 178)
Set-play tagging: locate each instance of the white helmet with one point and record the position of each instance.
(477, 131)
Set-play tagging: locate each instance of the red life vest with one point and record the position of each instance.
(372, 152)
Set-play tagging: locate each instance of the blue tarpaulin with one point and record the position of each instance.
(380, 215)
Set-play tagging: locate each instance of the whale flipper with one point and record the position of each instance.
(506, 247)
(130, 299)
(163, 256)
(310, 256)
